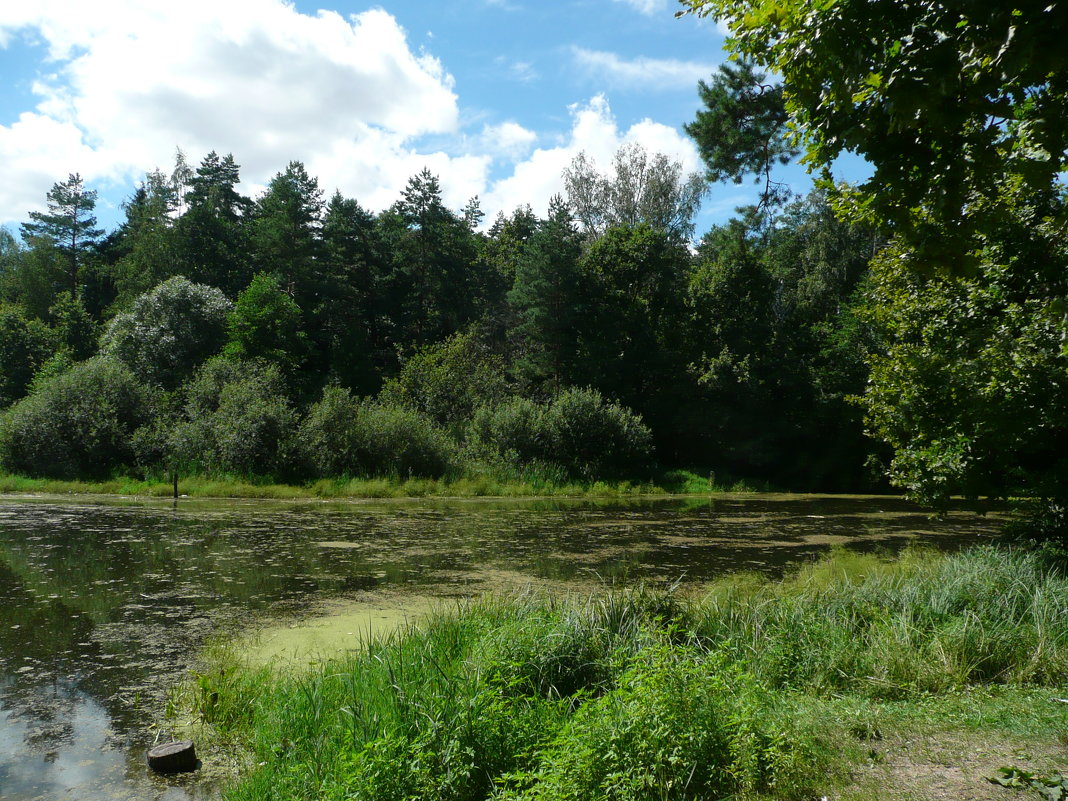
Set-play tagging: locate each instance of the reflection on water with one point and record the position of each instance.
(105, 603)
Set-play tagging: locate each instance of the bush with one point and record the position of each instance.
(679, 725)
(448, 381)
(595, 438)
(77, 424)
(578, 430)
(239, 421)
(25, 344)
(345, 436)
(169, 331)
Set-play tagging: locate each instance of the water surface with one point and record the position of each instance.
(107, 602)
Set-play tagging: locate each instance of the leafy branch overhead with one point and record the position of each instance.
(946, 100)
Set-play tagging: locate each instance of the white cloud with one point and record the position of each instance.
(648, 7)
(128, 81)
(507, 139)
(654, 73)
(594, 130)
(131, 81)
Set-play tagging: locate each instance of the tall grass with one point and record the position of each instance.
(922, 624)
(642, 695)
(475, 485)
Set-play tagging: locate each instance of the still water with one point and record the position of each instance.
(105, 603)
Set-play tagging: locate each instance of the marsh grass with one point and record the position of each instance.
(468, 486)
(759, 689)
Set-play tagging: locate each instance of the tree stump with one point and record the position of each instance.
(176, 757)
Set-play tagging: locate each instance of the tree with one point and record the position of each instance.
(350, 318)
(266, 324)
(147, 237)
(25, 344)
(68, 225)
(343, 436)
(448, 381)
(74, 329)
(945, 99)
(962, 110)
(545, 301)
(971, 390)
(742, 128)
(434, 252)
(211, 236)
(628, 336)
(286, 227)
(238, 421)
(169, 331)
(641, 188)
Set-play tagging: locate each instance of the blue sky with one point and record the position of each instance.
(495, 96)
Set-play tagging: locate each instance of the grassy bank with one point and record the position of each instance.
(826, 683)
(671, 482)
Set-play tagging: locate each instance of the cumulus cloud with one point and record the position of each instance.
(648, 7)
(127, 81)
(595, 131)
(508, 139)
(654, 73)
(130, 81)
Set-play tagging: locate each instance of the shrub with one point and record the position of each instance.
(678, 725)
(578, 430)
(169, 331)
(239, 421)
(77, 424)
(25, 344)
(345, 436)
(448, 381)
(594, 438)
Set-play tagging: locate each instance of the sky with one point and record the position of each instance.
(496, 97)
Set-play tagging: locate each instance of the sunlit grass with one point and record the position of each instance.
(475, 486)
(757, 689)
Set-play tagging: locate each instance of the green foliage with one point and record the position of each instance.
(943, 99)
(343, 436)
(1052, 788)
(25, 344)
(970, 390)
(351, 311)
(238, 422)
(642, 189)
(75, 330)
(448, 381)
(434, 291)
(68, 225)
(676, 726)
(211, 239)
(889, 630)
(266, 324)
(756, 690)
(78, 423)
(742, 127)
(147, 238)
(169, 331)
(577, 429)
(546, 302)
(286, 230)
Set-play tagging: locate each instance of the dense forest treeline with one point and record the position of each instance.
(294, 336)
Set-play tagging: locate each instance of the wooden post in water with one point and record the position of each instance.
(174, 483)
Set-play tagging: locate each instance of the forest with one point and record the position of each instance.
(906, 331)
(295, 337)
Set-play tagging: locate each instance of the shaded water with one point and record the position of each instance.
(106, 603)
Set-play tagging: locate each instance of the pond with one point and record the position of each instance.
(106, 602)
